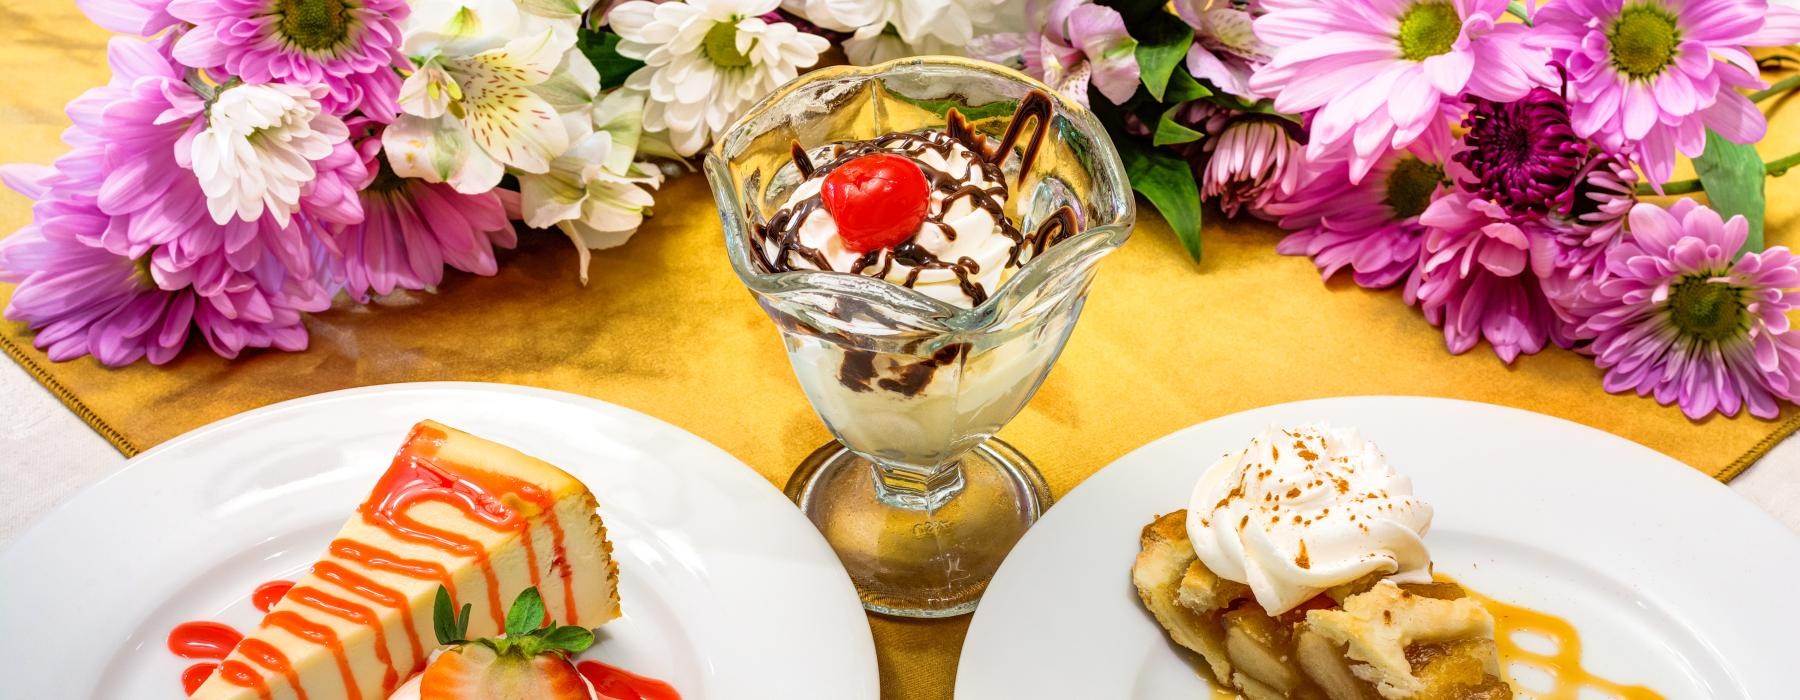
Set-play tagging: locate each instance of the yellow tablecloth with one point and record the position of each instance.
(665, 328)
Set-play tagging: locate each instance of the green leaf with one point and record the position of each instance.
(527, 613)
(1183, 87)
(443, 618)
(1733, 174)
(1168, 182)
(1138, 13)
(602, 49)
(1160, 51)
(569, 638)
(1169, 131)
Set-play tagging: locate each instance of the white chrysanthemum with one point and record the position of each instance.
(705, 61)
(883, 30)
(596, 193)
(258, 147)
(495, 87)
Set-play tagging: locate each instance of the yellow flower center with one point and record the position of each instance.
(1428, 29)
(720, 45)
(1410, 185)
(1708, 310)
(1643, 40)
(314, 25)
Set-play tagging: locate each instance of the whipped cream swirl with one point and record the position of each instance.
(1303, 509)
(962, 249)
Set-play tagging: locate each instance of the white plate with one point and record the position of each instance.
(1673, 580)
(715, 566)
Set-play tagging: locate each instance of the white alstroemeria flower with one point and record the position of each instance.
(467, 27)
(258, 149)
(705, 61)
(466, 118)
(884, 30)
(596, 193)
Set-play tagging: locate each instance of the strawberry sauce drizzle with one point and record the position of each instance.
(417, 475)
(240, 674)
(322, 636)
(268, 594)
(267, 656)
(619, 684)
(362, 615)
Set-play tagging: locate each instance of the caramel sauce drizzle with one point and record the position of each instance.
(1562, 666)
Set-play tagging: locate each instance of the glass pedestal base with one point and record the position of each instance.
(921, 548)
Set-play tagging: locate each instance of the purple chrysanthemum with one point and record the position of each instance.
(414, 228)
(1585, 223)
(352, 47)
(1371, 227)
(1654, 75)
(134, 17)
(1688, 324)
(82, 299)
(1521, 154)
(1382, 73)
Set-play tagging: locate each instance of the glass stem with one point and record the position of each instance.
(911, 487)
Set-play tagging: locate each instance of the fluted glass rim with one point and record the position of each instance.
(1107, 170)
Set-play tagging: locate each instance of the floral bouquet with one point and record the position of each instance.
(252, 160)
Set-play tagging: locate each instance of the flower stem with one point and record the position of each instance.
(1517, 9)
(1784, 85)
(1774, 168)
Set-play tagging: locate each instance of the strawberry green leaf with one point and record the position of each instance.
(444, 620)
(527, 613)
(569, 638)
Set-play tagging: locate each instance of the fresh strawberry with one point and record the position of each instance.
(531, 662)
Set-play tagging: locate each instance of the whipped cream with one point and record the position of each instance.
(1303, 509)
(968, 244)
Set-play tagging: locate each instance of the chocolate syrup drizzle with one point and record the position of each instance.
(781, 233)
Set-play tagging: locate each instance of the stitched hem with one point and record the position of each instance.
(68, 398)
(1760, 449)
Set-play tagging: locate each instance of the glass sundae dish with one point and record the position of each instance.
(923, 233)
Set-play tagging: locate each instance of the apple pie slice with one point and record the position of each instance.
(1308, 579)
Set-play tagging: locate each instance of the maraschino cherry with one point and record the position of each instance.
(877, 200)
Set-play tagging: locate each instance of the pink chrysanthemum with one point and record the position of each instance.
(1380, 72)
(1477, 280)
(132, 138)
(82, 299)
(1250, 160)
(133, 17)
(414, 228)
(1687, 324)
(1654, 75)
(1371, 227)
(352, 47)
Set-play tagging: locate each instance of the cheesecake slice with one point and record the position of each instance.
(481, 519)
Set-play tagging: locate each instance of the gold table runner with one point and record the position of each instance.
(665, 328)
